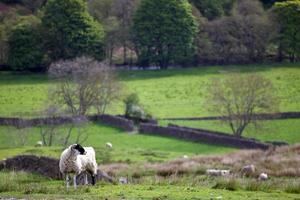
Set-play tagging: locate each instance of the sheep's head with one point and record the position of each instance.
(78, 149)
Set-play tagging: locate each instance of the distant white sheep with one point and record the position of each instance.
(263, 177)
(39, 144)
(109, 145)
(217, 172)
(77, 159)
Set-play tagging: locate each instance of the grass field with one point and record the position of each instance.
(30, 186)
(169, 93)
(127, 147)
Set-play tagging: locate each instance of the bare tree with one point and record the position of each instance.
(83, 84)
(48, 133)
(124, 10)
(53, 133)
(240, 98)
(77, 126)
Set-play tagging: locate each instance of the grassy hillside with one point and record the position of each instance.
(127, 147)
(169, 93)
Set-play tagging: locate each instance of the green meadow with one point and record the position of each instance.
(127, 147)
(166, 93)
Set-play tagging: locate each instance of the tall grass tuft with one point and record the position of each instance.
(228, 184)
(293, 187)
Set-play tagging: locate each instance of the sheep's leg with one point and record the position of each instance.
(86, 179)
(93, 179)
(74, 180)
(68, 180)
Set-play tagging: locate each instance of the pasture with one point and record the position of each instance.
(168, 93)
(127, 148)
(35, 187)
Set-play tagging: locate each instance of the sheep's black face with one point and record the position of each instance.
(79, 148)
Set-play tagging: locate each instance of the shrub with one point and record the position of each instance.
(133, 109)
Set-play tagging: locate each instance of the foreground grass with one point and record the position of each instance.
(270, 130)
(127, 147)
(23, 185)
(169, 93)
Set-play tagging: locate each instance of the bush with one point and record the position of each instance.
(25, 49)
(133, 109)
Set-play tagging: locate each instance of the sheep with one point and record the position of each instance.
(108, 145)
(248, 170)
(217, 172)
(39, 144)
(77, 159)
(123, 180)
(263, 177)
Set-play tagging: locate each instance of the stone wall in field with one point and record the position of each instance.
(263, 116)
(116, 121)
(202, 136)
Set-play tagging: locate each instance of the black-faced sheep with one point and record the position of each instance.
(77, 159)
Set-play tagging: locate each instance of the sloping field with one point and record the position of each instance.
(169, 93)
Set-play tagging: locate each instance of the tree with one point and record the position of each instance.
(8, 20)
(163, 31)
(69, 30)
(212, 9)
(124, 10)
(116, 17)
(83, 84)
(25, 50)
(240, 38)
(288, 15)
(240, 98)
(102, 11)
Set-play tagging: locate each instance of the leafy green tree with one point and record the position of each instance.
(163, 31)
(25, 50)
(288, 14)
(212, 9)
(69, 30)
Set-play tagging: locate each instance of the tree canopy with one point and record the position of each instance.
(289, 20)
(25, 50)
(163, 31)
(70, 31)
